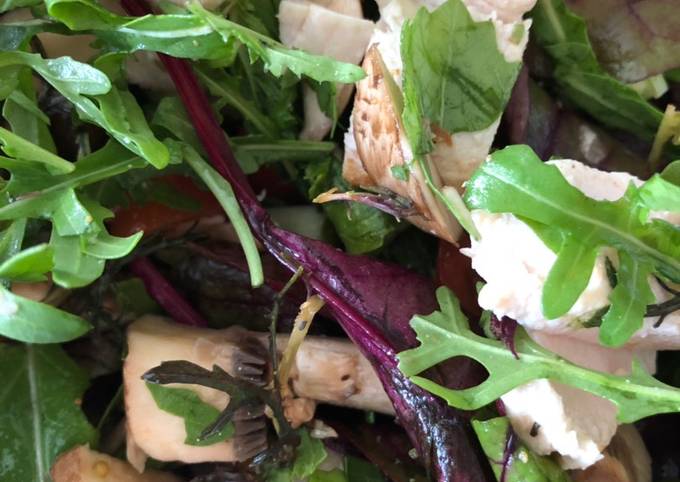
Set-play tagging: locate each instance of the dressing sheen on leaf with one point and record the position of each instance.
(516, 181)
(446, 334)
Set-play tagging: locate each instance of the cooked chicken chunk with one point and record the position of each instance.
(333, 28)
(375, 144)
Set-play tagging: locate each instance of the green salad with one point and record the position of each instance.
(339, 240)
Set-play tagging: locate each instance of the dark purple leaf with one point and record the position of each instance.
(554, 130)
(366, 297)
(633, 39)
(504, 329)
(165, 294)
(386, 202)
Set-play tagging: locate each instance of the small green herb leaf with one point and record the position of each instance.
(39, 410)
(524, 465)
(32, 322)
(196, 413)
(516, 181)
(446, 334)
(28, 265)
(454, 75)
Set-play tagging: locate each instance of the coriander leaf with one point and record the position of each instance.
(32, 322)
(225, 196)
(454, 74)
(525, 465)
(40, 412)
(28, 265)
(516, 181)
(446, 334)
(581, 78)
(196, 413)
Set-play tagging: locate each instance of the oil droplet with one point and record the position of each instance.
(101, 469)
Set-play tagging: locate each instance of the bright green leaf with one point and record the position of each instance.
(516, 181)
(454, 70)
(568, 277)
(446, 334)
(196, 413)
(524, 465)
(32, 322)
(28, 265)
(40, 412)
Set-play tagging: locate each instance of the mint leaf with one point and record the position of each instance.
(197, 414)
(524, 464)
(454, 75)
(446, 334)
(516, 181)
(39, 410)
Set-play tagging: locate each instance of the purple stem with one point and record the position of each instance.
(163, 292)
(442, 437)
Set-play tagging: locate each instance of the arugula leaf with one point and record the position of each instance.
(28, 265)
(115, 110)
(7, 5)
(446, 334)
(33, 322)
(525, 465)
(19, 147)
(581, 78)
(227, 89)
(658, 194)
(517, 182)
(199, 34)
(24, 116)
(454, 75)
(40, 413)
(252, 152)
(225, 196)
(197, 414)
